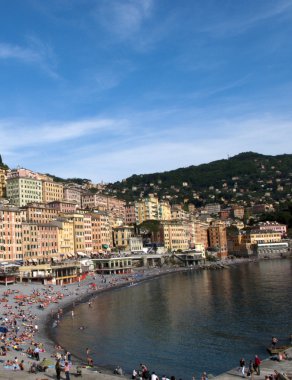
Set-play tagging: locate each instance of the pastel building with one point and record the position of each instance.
(64, 206)
(65, 237)
(52, 191)
(273, 226)
(164, 210)
(40, 212)
(122, 235)
(101, 231)
(174, 235)
(73, 194)
(88, 248)
(21, 189)
(79, 231)
(11, 219)
(39, 243)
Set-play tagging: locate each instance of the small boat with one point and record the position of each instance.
(277, 350)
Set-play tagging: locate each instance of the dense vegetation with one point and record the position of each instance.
(2, 165)
(250, 173)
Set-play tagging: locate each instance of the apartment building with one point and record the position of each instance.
(164, 210)
(201, 232)
(238, 211)
(65, 237)
(146, 209)
(218, 238)
(40, 213)
(11, 219)
(130, 216)
(174, 235)
(73, 194)
(116, 207)
(40, 243)
(273, 226)
(213, 208)
(79, 232)
(52, 191)
(23, 190)
(122, 236)
(178, 213)
(64, 206)
(88, 247)
(101, 231)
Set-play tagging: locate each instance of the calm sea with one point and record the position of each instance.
(185, 323)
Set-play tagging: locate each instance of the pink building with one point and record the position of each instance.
(273, 226)
(64, 206)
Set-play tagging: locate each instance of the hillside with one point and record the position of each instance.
(2, 165)
(246, 174)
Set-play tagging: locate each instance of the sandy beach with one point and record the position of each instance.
(31, 311)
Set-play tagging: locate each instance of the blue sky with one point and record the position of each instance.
(109, 88)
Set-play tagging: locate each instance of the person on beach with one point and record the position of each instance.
(58, 369)
(154, 376)
(242, 366)
(67, 371)
(204, 376)
(257, 365)
(274, 341)
(250, 369)
(36, 353)
(21, 365)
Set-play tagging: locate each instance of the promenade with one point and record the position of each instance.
(268, 367)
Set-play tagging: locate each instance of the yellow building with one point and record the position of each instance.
(121, 237)
(174, 235)
(146, 209)
(65, 237)
(164, 210)
(52, 191)
(79, 231)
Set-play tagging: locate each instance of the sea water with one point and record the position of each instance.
(185, 323)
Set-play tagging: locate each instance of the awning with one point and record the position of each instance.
(54, 259)
(81, 254)
(34, 261)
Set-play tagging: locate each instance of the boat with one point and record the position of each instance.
(277, 350)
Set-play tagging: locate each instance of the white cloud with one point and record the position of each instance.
(115, 148)
(55, 132)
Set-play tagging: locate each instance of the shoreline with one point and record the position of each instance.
(73, 294)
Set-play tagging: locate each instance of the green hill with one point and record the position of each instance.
(247, 172)
(2, 165)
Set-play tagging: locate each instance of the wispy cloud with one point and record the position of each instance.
(124, 18)
(35, 52)
(251, 18)
(141, 150)
(29, 134)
